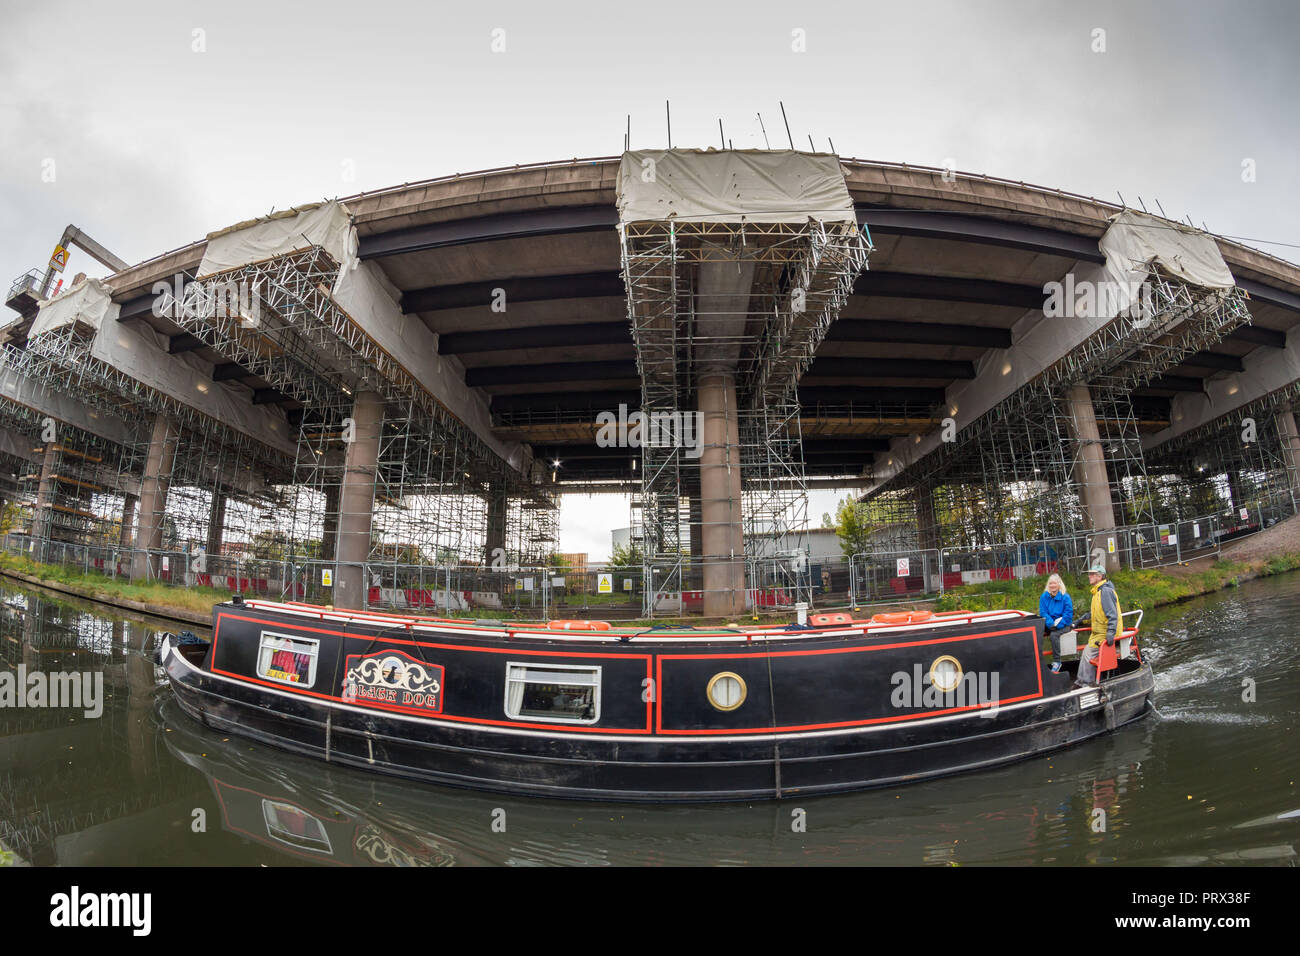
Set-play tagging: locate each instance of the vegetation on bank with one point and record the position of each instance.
(1140, 588)
(94, 585)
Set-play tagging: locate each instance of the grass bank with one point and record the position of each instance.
(195, 603)
(1146, 589)
(152, 597)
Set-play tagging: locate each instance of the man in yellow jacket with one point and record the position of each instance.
(1106, 625)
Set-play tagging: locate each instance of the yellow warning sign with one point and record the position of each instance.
(606, 585)
(59, 259)
(326, 578)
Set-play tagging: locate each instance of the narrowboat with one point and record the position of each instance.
(586, 710)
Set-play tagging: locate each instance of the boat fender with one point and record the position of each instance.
(1110, 716)
(160, 649)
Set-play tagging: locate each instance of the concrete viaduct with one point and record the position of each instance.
(954, 289)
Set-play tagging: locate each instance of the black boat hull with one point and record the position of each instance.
(693, 758)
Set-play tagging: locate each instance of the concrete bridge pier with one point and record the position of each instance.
(357, 501)
(722, 533)
(927, 536)
(126, 532)
(43, 518)
(494, 544)
(1290, 439)
(216, 525)
(153, 497)
(1090, 474)
(725, 284)
(1234, 491)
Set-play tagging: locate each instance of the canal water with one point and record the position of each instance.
(1209, 779)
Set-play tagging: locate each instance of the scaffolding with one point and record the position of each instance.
(1235, 463)
(242, 510)
(1018, 473)
(768, 331)
(277, 319)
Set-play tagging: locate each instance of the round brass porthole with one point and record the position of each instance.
(945, 673)
(726, 691)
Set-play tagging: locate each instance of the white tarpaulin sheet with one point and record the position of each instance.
(86, 302)
(327, 225)
(732, 186)
(1134, 241)
(363, 291)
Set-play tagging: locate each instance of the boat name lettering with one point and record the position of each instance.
(395, 678)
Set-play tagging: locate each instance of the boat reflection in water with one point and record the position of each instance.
(310, 813)
(307, 812)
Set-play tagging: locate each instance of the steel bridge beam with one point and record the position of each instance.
(585, 285)
(531, 223)
(933, 224)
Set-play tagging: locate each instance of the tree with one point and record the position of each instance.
(852, 527)
(628, 558)
(625, 557)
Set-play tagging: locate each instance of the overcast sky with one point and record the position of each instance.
(160, 122)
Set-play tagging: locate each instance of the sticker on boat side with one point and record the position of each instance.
(393, 677)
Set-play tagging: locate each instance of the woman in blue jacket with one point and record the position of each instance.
(1057, 609)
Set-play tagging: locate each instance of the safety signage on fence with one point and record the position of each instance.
(1245, 515)
(627, 584)
(326, 578)
(904, 567)
(606, 584)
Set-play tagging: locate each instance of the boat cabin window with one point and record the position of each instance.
(289, 660)
(558, 692)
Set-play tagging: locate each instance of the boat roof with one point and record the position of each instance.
(659, 633)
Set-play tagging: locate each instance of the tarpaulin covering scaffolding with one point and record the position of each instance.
(735, 263)
(331, 330)
(1049, 442)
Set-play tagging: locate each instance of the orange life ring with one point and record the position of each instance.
(902, 617)
(577, 625)
(893, 617)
